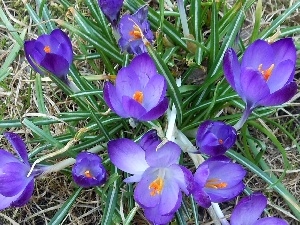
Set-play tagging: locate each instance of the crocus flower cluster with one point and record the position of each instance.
(217, 180)
(139, 92)
(111, 10)
(52, 52)
(16, 188)
(215, 137)
(135, 32)
(88, 170)
(155, 168)
(265, 75)
(249, 209)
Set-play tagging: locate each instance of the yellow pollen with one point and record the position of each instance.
(136, 32)
(221, 141)
(156, 186)
(215, 184)
(138, 96)
(88, 174)
(47, 49)
(266, 73)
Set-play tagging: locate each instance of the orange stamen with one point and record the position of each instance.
(47, 49)
(221, 141)
(136, 33)
(138, 96)
(156, 186)
(266, 73)
(215, 184)
(88, 174)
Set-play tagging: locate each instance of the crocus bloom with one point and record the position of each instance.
(139, 91)
(215, 137)
(88, 170)
(155, 168)
(217, 180)
(111, 10)
(265, 75)
(255, 203)
(135, 32)
(52, 52)
(15, 187)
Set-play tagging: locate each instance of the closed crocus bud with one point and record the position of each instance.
(53, 52)
(139, 91)
(111, 9)
(88, 170)
(215, 137)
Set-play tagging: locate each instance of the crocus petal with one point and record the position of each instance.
(111, 9)
(65, 46)
(171, 199)
(13, 174)
(154, 91)
(25, 195)
(281, 75)
(150, 140)
(163, 156)
(254, 203)
(201, 175)
(6, 201)
(265, 56)
(7, 157)
(47, 40)
(232, 69)
(142, 192)
(201, 197)
(111, 98)
(281, 96)
(133, 108)
(57, 65)
(157, 111)
(253, 86)
(144, 66)
(122, 152)
(271, 221)
(154, 216)
(284, 49)
(29, 48)
(18, 144)
(127, 82)
(225, 194)
(133, 178)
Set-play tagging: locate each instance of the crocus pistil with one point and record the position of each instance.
(215, 183)
(156, 186)
(266, 73)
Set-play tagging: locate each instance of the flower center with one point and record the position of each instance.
(47, 49)
(136, 32)
(221, 141)
(138, 96)
(215, 184)
(266, 73)
(88, 174)
(156, 186)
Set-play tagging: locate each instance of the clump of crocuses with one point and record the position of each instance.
(88, 170)
(217, 180)
(135, 32)
(215, 137)
(160, 178)
(52, 52)
(139, 91)
(265, 75)
(111, 10)
(249, 209)
(16, 185)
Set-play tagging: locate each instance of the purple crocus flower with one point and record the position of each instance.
(255, 203)
(135, 32)
(215, 137)
(155, 168)
(88, 170)
(15, 187)
(265, 75)
(217, 180)
(111, 10)
(139, 92)
(52, 52)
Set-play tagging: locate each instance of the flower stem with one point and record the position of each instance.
(183, 18)
(243, 119)
(219, 213)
